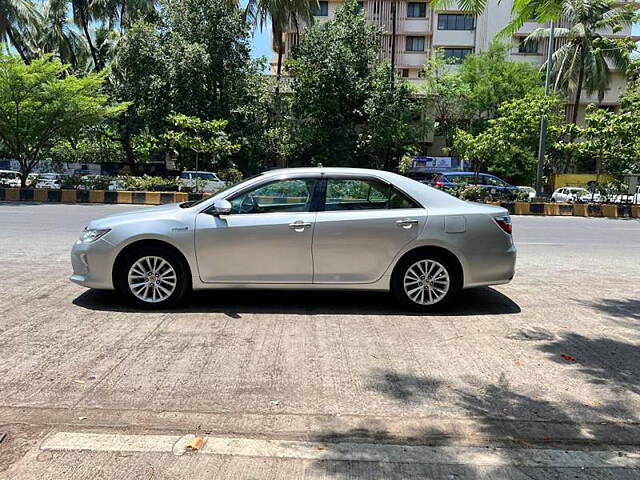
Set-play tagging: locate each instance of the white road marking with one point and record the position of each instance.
(362, 452)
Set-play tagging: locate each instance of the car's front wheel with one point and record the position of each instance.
(425, 282)
(152, 277)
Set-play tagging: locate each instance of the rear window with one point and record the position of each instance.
(461, 179)
(422, 175)
(206, 176)
(185, 176)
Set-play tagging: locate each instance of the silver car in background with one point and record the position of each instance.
(304, 228)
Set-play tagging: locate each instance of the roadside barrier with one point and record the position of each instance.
(162, 198)
(96, 196)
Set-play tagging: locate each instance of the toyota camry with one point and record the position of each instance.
(302, 228)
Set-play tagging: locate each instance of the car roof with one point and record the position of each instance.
(456, 173)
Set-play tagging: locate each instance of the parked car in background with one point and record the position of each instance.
(450, 180)
(200, 181)
(9, 179)
(530, 191)
(422, 175)
(575, 194)
(52, 181)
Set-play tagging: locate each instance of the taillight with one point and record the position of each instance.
(504, 223)
(439, 184)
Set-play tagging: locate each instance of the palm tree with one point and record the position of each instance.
(281, 13)
(82, 17)
(17, 19)
(56, 34)
(584, 58)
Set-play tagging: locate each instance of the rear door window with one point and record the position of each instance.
(364, 194)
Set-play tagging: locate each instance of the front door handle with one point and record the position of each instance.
(406, 222)
(299, 226)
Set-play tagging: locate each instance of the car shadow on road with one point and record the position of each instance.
(234, 303)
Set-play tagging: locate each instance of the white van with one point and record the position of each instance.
(200, 181)
(9, 179)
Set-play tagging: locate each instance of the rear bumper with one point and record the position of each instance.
(92, 264)
(492, 268)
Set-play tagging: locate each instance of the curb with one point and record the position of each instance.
(96, 196)
(163, 198)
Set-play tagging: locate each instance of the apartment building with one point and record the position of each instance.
(420, 29)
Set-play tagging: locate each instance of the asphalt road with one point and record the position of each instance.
(536, 379)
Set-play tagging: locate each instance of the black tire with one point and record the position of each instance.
(398, 277)
(183, 279)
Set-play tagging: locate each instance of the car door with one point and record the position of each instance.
(362, 225)
(265, 239)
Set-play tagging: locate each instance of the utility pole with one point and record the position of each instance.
(393, 67)
(542, 145)
(393, 41)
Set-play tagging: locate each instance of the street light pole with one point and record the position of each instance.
(542, 145)
(393, 41)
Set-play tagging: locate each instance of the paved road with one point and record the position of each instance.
(324, 385)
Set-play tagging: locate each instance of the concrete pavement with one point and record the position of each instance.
(550, 361)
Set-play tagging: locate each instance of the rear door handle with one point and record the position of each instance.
(299, 226)
(406, 222)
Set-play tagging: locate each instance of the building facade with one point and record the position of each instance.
(421, 30)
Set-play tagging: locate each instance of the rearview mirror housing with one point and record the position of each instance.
(221, 207)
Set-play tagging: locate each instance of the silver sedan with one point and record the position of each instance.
(305, 228)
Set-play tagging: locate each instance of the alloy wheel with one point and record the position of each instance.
(426, 282)
(152, 279)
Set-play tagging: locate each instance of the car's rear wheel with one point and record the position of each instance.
(153, 277)
(425, 282)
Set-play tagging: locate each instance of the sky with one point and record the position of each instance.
(261, 43)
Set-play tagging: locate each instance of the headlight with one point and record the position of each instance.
(91, 235)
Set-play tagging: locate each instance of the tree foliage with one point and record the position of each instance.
(345, 109)
(41, 107)
(194, 62)
(583, 59)
(199, 136)
(469, 96)
(509, 146)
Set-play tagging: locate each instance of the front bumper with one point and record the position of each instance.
(93, 264)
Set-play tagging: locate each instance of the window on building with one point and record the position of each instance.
(405, 73)
(455, 21)
(415, 44)
(528, 47)
(417, 9)
(322, 10)
(457, 54)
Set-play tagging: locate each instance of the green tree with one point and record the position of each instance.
(56, 34)
(509, 146)
(582, 60)
(199, 136)
(195, 61)
(281, 14)
(610, 141)
(446, 95)
(40, 108)
(491, 79)
(471, 94)
(339, 85)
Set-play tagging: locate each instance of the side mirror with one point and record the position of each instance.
(221, 207)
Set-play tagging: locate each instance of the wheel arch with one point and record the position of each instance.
(148, 242)
(433, 250)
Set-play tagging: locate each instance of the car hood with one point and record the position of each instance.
(137, 215)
